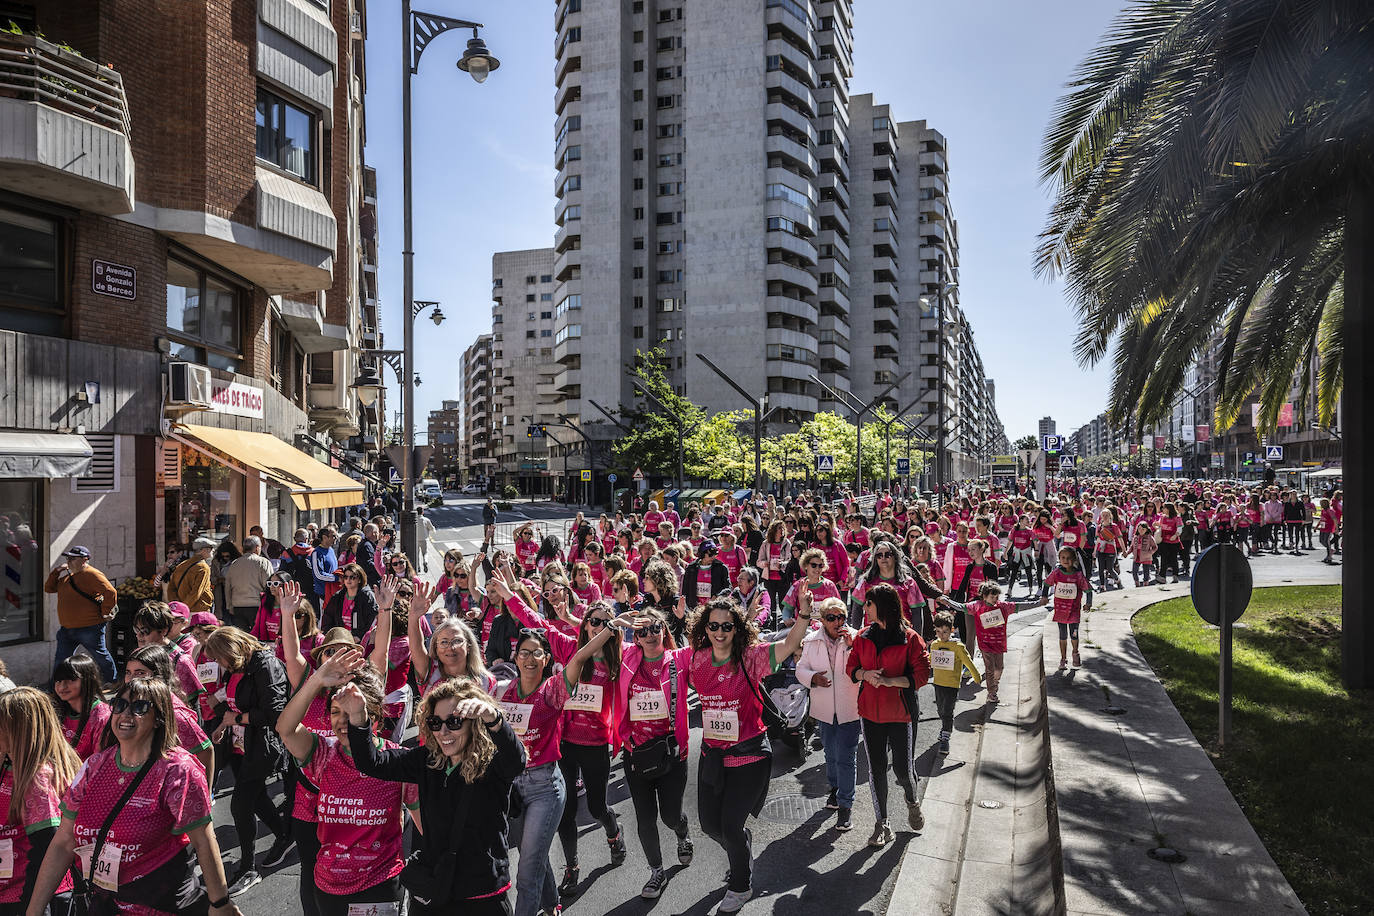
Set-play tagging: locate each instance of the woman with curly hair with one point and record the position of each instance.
(725, 663)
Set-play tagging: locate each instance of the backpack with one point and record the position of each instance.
(297, 565)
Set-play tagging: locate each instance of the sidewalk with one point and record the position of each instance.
(1133, 779)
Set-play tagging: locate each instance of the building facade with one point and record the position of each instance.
(183, 287)
(481, 429)
(445, 432)
(525, 373)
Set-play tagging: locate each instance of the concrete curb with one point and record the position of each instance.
(973, 859)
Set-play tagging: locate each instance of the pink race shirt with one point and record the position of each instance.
(151, 828)
(819, 592)
(359, 820)
(316, 722)
(537, 718)
(189, 733)
(40, 811)
(907, 590)
(86, 743)
(729, 707)
(1067, 590)
(1168, 528)
(588, 713)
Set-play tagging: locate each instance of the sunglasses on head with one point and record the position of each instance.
(534, 631)
(726, 627)
(453, 723)
(651, 629)
(137, 708)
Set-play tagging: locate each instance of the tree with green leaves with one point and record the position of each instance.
(1027, 443)
(1213, 176)
(652, 442)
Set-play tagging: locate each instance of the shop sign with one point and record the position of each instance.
(236, 399)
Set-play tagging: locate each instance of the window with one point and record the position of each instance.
(781, 224)
(574, 122)
(670, 14)
(639, 302)
(573, 212)
(321, 368)
(546, 297)
(668, 73)
(670, 247)
(286, 136)
(882, 225)
(667, 160)
(529, 297)
(639, 39)
(638, 212)
(667, 305)
(546, 278)
(772, 62)
(546, 333)
(639, 124)
(638, 6)
(574, 153)
(669, 43)
(529, 335)
(31, 273)
(638, 155)
(639, 243)
(570, 302)
(529, 316)
(882, 123)
(670, 276)
(24, 501)
(497, 283)
(669, 130)
(639, 332)
(529, 279)
(203, 316)
(638, 273)
(571, 332)
(574, 34)
(789, 194)
(666, 101)
(639, 184)
(638, 95)
(668, 219)
(669, 188)
(574, 183)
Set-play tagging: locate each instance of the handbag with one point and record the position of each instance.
(654, 758)
(432, 885)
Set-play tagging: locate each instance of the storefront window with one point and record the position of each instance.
(211, 500)
(21, 592)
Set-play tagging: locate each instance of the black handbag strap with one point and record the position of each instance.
(71, 580)
(119, 806)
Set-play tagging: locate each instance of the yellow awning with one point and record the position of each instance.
(312, 484)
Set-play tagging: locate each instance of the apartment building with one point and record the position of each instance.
(195, 281)
(445, 432)
(481, 428)
(1047, 427)
(523, 366)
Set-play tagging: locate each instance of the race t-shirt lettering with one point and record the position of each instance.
(40, 811)
(728, 699)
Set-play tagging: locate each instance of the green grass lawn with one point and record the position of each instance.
(1301, 756)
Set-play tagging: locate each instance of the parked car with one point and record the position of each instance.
(473, 489)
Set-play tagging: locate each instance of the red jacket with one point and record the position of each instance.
(884, 704)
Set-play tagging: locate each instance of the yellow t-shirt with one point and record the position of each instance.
(948, 658)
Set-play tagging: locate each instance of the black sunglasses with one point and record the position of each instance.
(726, 627)
(434, 723)
(652, 629)
(831, 618)
(597, 622)
(534, 631)
(139, 708)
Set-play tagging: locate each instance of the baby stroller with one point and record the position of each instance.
(794, 725)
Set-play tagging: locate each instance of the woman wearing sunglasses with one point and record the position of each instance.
(80, 702)
(267, 625)
(253, 697)
(156, 802)
(726, 665)
(813, 566)
(461, 860)
(889, 566)
(359, 823)
(354, 606)
(653, 731)
(525, 548)
(399, 565)
(533, 703)
(152, 661)
(36, 767)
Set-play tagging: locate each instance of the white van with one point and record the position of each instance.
(431, 489)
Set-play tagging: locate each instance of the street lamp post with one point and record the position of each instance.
(852, 403)
(417, 31)
(759, 405)
(676, 417)
(944, 290)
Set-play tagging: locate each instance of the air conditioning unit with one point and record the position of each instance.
(188, 385)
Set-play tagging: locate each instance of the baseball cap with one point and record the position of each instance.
(201, 618)
(179, 609)
(82, 552)
(707, 546)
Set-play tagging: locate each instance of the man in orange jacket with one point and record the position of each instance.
(85, 602)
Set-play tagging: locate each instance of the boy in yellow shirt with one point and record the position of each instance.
(948, 660)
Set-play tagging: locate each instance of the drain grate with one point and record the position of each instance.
(791, 809)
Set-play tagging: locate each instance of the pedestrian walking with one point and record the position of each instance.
(191, 582)
(834, 703)
(245, 580)
(1072, 592)
(86, 601)
(949, 659)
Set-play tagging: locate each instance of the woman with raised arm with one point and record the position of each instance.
(451, 652)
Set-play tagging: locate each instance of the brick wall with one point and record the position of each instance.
(102, 319)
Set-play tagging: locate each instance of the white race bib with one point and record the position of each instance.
(775, 563)
(208, 672)
(6, 859)
(942, 659)
(992, 617)
(105, 873)
(222, 694)
(1066, 590)
(703, 588)
(374, 909)
(720, 725)
(518, 715)
(1070, 538)
(586, 699)
(649, 706)
(240, 736)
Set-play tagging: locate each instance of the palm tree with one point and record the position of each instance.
(1213, 166)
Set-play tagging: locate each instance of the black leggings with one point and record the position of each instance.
(655, 798)
(1168, 559)
(777, 591)
(594, 762)
(250, 798)
(723, 809)
(879, 738)
(337, 905)
(307, 838)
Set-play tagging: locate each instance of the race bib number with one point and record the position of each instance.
(240, 736)
(208, 672)
(104, 872)
(703, 588)
(942, 659)
(1070, 538)
(586, 699)
(720, 725)
(6, 859)
(518, 715)
(1066, 590)
(992, 618)
(775, 563)
(650, 706)
(222, 694)
(374, 909)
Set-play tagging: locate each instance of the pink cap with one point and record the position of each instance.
(179, 609)
(203, 619)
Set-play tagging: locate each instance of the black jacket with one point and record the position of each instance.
(483, 864)
(504, 628)
(261, 697)
(364, 612)
(720, 581)
(367, 559)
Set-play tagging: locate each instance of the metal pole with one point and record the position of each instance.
(409, 543)
(1224, 678)
(759, 406)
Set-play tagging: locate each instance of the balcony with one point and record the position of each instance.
(834, 356)
(777, 80)
(64, 128)
(786, 305)
(934, 182)
(785, 114)
(935, 161)
(793, 16)
(789, 274)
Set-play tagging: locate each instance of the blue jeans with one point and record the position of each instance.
(543, 793)
(93, 639)
(841, 743)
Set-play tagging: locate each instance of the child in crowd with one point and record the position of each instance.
(948, 660)
(1143, 548)
(1072, 592)
(990, 613)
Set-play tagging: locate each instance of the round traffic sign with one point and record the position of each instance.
(1222, 581)
(611, 478)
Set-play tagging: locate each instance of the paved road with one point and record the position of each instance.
(801, 861)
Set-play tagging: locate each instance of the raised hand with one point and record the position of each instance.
(340, 667)
(289, 598)
(386, 591)
(424, 596)
(475, 708)
(352, 702)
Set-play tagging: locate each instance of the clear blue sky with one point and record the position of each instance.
(985, 73)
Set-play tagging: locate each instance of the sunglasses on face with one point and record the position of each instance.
(832, 618)
(137, 708)
(301, 616)
(652, 629)
(452, 723)
(597, 622)
(727, 627)
(816, 565)
(350, 577)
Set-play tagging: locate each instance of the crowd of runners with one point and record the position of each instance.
(360, 710)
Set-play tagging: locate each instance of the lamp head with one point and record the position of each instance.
(368, 385)
(477, 61)
(437, 316)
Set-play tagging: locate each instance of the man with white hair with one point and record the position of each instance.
(244, 580)
(190, 581)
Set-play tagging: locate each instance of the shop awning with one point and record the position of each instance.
(312, 484)
(1327, 472)
(44, 455)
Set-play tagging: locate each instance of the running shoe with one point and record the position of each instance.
(243, 881)
(734, 900)
(617, 844)
(845, 821)
(658, 879)
(277, 854)
(572, 875)
(684, 844)
(832, 801)
(882, 834)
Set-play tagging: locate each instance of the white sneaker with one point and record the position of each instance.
(882, 834)
(734, 901)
